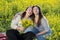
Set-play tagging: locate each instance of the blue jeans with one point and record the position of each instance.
(28, 29)
(35, 31)
(40, 37)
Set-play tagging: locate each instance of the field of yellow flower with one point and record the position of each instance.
(50, 8)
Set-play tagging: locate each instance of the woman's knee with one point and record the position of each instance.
(41, 38)
(11, 31)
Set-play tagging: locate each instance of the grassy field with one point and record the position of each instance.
(50, 8)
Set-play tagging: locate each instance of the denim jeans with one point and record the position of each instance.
(28, 29)
(35, 31)
(41, 37)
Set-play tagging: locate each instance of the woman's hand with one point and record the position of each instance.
(37, 34)
(40, 33)
(21, 28)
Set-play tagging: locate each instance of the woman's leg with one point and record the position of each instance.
(13, 34)
(28, 36)
(28, 29)
(34, 30)
(40, 37)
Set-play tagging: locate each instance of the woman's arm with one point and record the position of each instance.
(43, 32)
(15, 21)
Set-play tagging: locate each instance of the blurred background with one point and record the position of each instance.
(50, 8)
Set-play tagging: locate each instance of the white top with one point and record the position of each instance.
(15, 21)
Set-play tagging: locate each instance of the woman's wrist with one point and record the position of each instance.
(38, 34)
(20, 28)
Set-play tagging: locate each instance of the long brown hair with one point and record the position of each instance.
(40, 16)
(24, 13)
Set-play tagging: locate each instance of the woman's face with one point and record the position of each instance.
(29, 11)
(36, 10)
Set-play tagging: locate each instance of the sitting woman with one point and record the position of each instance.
(13, 34)
(41, 27)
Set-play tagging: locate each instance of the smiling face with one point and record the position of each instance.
(29, 11)
(35, 10)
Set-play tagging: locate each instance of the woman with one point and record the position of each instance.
(18, 17)
(13, 34)
(41, 26)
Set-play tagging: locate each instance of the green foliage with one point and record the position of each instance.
(54, 21)
(50, 8)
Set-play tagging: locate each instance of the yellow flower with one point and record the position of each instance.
(52, 28)
(59, 33)
(26, 23)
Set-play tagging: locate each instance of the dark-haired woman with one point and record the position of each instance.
(18, 17)
(41, 27)
(13, 34)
